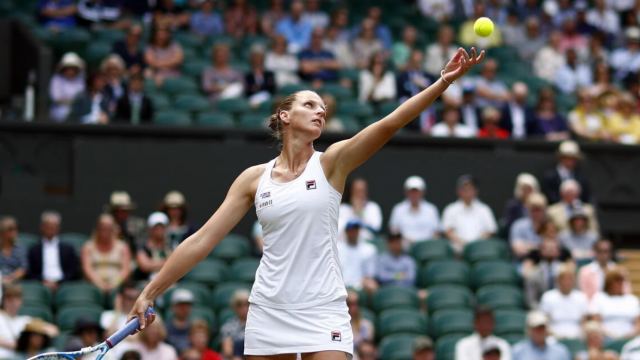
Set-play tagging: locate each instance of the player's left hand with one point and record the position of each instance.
(460, 64)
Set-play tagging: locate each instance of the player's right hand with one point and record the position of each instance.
(138, 311)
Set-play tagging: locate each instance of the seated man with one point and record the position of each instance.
(318, 65)
(394, 267)
(524, 235)
(539, 345)
(470, 347)
(565, 306)
(357, 259)
(560, 212)
(179, 324)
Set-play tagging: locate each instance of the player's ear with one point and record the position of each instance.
(284, 117)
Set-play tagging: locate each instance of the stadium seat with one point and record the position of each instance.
(96, 51)
(350, 124)
(253, 121)
(446, 322)
(37, 311)
(351, 74)
(192, 103)
(233, 105)
(394, 321)
(354, 108)
(179, 86)
(232, 247)
(616, 345)
(431, 250)
(160, 102)
(397, 347)
(493, 272)
(208, 272)
(35, 294)
(339, 92)
(225, 315)
(448, 297)
(390, 297)
(574, 346)
(67, 316)
(172, 118)
(189, 52)
(513, 338)
(198, 312)
(446, 346)
(500, 297)
(188, 39)
(70, 39)
(77, 240)
(27, 240)
(200, 293)
(485, 250)
(510, 321)
(194, 67)
(386, 108)
(108, 35)
(222, 293)
(289, 89)
(244, 270)
(444, 272)
(214, 118)
(77, 293)
(368, 314)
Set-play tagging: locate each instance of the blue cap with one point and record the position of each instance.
(352, 224)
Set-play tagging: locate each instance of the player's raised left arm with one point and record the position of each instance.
(344, 156)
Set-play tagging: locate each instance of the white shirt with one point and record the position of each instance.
(565, 312)
(631, 350)
(469, 222)
(371, 217)
(618, 313)
(547, 62)
(385, 89)
(518, 120)
(10, 329)
(415, 224)
(163, 351)
(459, 131)
(470, 347)
(284, 67)
(51, 268)
(358, 262)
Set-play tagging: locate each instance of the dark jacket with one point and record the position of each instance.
(123, 110)
(267, 84)
(530, 124)
(68, 261)
(551, 185)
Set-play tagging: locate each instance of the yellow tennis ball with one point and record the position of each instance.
(483, 26)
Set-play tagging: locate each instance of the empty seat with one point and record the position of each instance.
(253, 121)
(397, 347)
(234, 105)
(446, 346)
(390, 297)
(172, 117)
(500, 297)
(67, 316)
(160, 102)
(76, 240)
(27, 240)
(233, 246)
(431, 250)
(244, 270)
(78, 293)
(394, 321)
(485, 250)
(494, 272)
(214, 118)
(35, 294)
(208, 272)
(444, 272)
(338, 91)
(445, 322)
(510, 322)
(354, 108)
(37, 311)
(448, 297)
(192, 103)
(179, 86)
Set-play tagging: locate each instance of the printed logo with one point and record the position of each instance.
(264, 204)
(336, 336)
(311, 184)
(265, 195)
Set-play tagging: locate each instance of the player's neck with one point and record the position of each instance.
(295, 154)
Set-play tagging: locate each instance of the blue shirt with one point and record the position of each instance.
(522, 230)
(298, 34)
(326, 74)
(60, 22)
(392, 270)
(553, 350)
(17, 260)
(206, 24)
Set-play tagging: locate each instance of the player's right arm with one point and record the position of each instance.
(238, 201)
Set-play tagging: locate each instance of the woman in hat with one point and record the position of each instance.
(175, 206)
(65, 85)
(578, 237)
(34, 339)
(298, 299)
(526, 184)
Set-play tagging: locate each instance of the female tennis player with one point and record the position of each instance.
(297, 303)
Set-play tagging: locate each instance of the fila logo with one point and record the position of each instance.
(336, 336)
(311, 184)
(265, 195)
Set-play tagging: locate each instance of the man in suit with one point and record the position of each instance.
(567, 168)
(134, 107)
(52, 261)
(517, 116)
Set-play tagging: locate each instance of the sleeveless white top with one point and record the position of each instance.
(300, 267)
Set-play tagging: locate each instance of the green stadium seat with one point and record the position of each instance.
(172, 118)
(350, 124)
(107, 35)
(446, 346)
(448, 297)
(449, 272)
(188, 39)
(244, 270)
(160, 102)
(431, 250)
(574, 346)
(485, 250)
(200, 293)
(493, 272)
(190, 53)
(27, 240)
(77, 293)
(233, 105)
(222, 293)
(232, 247)
(71, 39)
(386, 108)
(616, 345)
(194, 67)
(96, 51)
(500, 297)
(208, 272)
(397, 347)
(35, 294)
(392, 297)
(225, 315)
(289, 89)
(350, 73)
(339, 92)
(67, 316)
(214, 118)
(192, 103)
(513, 338)
(77, 240)
(37, 311)
(509, 322)
(444, 322)
(394, 321)
(60, 341)
(354, 108)
(179, 86)
(368, 314)
(253, 121)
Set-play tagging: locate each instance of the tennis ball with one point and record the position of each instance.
(483, 26)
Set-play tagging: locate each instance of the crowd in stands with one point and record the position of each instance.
(556, 68)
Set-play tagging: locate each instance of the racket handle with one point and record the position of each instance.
(127, 330)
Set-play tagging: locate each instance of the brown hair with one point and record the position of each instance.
(199, 325)
(275, 121)
(613, 275)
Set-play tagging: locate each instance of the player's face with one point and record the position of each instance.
(308, 113)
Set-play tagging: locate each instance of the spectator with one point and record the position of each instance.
(597, 52)
(469, 109)
(594, 338)
(241, 19)
(517, 116)
(549, 59)
(13, 257)
(618, 312)
(377, 83)
(86, 333)
(524, 236)
(631, 349)
(130, 227)
(570, 201)
(572, 39)
(468, 219)
(572, 75)
(534, 40)
(295, 28)
(52, 261)
(221, 81)
(624, 123)
(491, 351)
(366, 350)
(112, 320)
(179, 324)
(106, 260)
(516, 208)
(275, 12)
(318, 65)
(602, 81)
(591, 276)
(97, 13)
(281, 63)
(155, 250)
(541, 267)
(490, 90)
(604, 18)
(170, 14)
(134, 107)
(401, 51)
(578, 238)
(65, 85)
(113, 68)
(360, 208)
(163, 56)
(415, 218)
(438, 10)
(468, 37)
(340, 20)
(57, 14)
(395, 267)
(437, 54)
(314, 15)
(382, 31)
(626, 60)
(11, 324)
(259, 84)
(151, 345)
(232, 332)
(491, 125)
(496, 10)
(470, 347)
(333, 122)
(340, 47)
(199, 340)
(92, 106)
(450, 125)
(548, 122)
(539, 345)
(206, 22)
(569, 156)
(411, 81)
(191, 354)
(357, 259)
(363, 329)
(565, 306)
(423, 348)
(367, 44)
(130, 50)
(35, 339)
(131, 355)
(513, 30)
(175, 207)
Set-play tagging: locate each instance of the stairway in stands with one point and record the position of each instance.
(630, 259)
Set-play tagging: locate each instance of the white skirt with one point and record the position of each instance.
(271, 331)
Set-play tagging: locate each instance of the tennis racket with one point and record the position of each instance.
(99, 349)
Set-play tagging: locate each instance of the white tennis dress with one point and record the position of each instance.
(298, 300)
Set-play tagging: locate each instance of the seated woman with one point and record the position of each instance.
(175, 206)
(35, 339)
(549, 123)
(106, 260)
(163, 56)
(578, 237)
(232, 332)
(515, 208)
(65, 85)
(13, 257)
(154, 252)
(377, 83)
(221, 81)
(618, 312)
